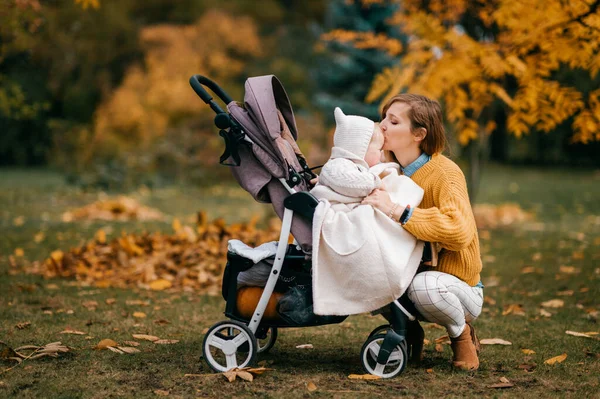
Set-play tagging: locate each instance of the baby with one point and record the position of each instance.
(362, 258)
(357, 146)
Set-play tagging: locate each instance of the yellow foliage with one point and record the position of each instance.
(88, 3)
(157, 94)
(470, 73)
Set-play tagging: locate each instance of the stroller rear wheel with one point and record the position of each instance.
(228, 345)
(266, 339)
(370, 351)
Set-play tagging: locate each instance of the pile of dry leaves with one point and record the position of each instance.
(192, 258)
(121, 208)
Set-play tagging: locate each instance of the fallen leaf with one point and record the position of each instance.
(515, 308)
(136, 302)
(162, 322)
(494, 341)
(131, 343)
(363, 377)
(19, 252)
(105, 343)
(90, 305)
(114, 349)
(160, 284)
(545, 313)
(556, 359)
(430, 371)
(128, 349)
(528, 351)
(139, 315)
(52, 287)
(258, 370)
(304, 346)
(489, 300)
(578, 255)
(553, 303)
(568, 270)
(39, 237)
(531, 269)
(439, 348)
(311, 387)
(145, 337)
(110, 301)
(529, 367)
(230, 375)
(161, 392)
(166, 341)
(444, 339)
(244, 375)
(565, 293)
(23, 325)
(176, 225)
(6, 352)
(101, 236)
(578, 334)
(504, 383)
(70, 331)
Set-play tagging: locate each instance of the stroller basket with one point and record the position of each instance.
(295, 274)
(260, 148)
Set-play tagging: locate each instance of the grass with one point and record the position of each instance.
(566, 232)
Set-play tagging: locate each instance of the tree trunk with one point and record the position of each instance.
(477, 153)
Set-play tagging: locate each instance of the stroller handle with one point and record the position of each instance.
(198, 82)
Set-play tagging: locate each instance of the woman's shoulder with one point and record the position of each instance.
(445, 164)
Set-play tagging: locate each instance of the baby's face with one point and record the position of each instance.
(374, 152)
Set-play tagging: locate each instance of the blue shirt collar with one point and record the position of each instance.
(415, 165)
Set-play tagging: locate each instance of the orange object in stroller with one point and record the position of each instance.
(260, 148)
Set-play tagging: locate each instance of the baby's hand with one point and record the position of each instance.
(314, 181)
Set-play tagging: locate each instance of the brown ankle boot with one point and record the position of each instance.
(465, 351)
(475, 339)
(414, 340)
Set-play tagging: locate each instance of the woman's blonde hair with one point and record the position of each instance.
(423, 113)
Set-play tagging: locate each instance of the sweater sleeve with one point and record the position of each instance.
(347, 178)
(450, 222)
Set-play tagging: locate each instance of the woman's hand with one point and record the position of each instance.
(379, 199)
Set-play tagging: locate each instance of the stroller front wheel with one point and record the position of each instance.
(370, 352)
(228, 345)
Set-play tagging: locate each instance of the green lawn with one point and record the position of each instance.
(560, 249)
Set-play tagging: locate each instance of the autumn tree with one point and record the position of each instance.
(358, 44)
(473, 55)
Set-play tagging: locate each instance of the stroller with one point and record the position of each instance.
(260, 148)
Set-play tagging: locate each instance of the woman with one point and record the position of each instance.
(449, 294)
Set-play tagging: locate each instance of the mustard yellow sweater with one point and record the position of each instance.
(445, 217)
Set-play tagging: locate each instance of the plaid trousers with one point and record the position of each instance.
(446, 300)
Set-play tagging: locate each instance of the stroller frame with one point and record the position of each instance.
(386, 346)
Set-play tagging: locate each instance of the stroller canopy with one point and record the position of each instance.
(268, 120)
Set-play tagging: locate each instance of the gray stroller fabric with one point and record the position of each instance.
(268, 120)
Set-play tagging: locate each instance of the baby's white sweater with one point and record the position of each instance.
(348, 178)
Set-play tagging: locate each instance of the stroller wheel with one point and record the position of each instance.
(223, 344)
(266, 339)
(370, 351)
(382, 329)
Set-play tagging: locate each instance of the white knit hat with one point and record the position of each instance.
(352, 133)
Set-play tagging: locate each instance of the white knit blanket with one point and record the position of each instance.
(362, 259)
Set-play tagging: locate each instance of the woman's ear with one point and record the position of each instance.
(420, 134)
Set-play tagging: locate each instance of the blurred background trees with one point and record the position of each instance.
(100, 88)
